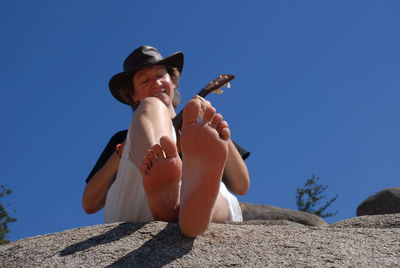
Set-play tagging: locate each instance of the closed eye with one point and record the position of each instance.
(161, 75)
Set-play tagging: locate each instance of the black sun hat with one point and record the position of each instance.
(140, 58)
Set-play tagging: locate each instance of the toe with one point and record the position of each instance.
(169, 147)
(208, 114)
(146, 162)
(216, 120)
(221, 125)
(225, 134)
(158, 152)
(143, 169)
(223, 129)
(150, 157)
(191, 112)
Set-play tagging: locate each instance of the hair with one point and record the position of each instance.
(175, 76)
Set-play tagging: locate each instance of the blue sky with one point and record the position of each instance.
(316, 92)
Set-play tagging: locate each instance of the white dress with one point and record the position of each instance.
(126, 199)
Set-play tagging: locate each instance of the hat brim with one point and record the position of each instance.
(118, 83)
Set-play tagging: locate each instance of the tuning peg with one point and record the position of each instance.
(218, 91)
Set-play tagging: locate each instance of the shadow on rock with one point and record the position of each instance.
(122, 230)
(168, 245)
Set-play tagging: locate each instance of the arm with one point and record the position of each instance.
(94, 195)
(102, 175)
(236, 175)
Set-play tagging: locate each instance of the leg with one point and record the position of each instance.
(151, 121)
(204, 147)
(159, 165)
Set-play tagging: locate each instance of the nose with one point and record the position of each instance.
(156, 82)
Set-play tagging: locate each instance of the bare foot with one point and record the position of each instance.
(204, 148)
(162, 170)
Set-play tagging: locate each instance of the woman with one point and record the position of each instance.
(150, 181)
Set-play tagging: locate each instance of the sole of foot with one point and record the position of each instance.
(162, 171)
(204, 145)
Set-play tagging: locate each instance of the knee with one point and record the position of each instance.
(151, 104)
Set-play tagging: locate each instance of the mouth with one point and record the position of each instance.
(159, 94)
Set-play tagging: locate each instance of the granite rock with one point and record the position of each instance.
(253, 212)
(386, 201)
(370, 221)
(160, 244)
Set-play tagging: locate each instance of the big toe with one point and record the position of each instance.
(191, 112)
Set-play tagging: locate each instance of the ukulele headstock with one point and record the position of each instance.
(215, 85)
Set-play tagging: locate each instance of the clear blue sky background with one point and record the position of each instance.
(317, 92)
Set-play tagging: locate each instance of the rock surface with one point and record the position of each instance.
(373, 221)
(252, 212)
(386, 201)
(156, 244)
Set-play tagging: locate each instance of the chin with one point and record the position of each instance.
(165, 99)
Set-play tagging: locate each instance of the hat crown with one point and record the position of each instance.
(141, 57)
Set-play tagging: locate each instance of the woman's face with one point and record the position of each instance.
(155, 82)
